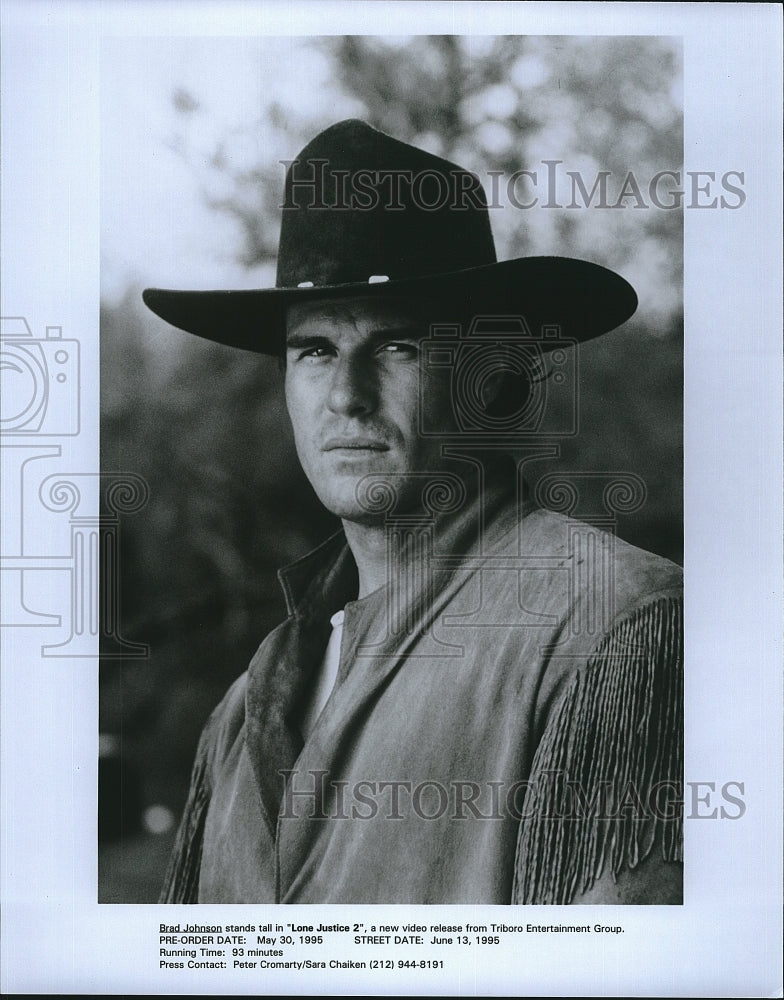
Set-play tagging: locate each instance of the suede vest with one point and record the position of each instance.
(510, 644)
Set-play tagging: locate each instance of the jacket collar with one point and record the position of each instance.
(326, 576)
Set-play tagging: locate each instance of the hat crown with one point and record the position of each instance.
(360, 205)
(367, 214)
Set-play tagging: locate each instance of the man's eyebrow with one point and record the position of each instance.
(407, 331)
(306, 339)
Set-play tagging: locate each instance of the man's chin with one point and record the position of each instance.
(357, 509)
(366, 496)
(372, 498)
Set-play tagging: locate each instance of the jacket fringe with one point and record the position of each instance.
(617, 728)
(181, 883)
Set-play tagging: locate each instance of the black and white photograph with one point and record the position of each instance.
(465, 656)
(384, 515)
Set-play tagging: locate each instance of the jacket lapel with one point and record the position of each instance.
(282, 672)
(278, 679)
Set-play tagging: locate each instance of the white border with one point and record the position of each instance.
(725, 941)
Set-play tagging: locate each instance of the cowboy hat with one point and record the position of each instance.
(366, 214)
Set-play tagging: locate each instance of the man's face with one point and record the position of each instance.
(353, 380)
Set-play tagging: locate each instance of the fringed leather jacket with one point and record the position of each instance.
(506, 724)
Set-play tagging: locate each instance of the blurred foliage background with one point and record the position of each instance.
(206, 426)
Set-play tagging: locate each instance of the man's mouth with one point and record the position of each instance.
(354, 444)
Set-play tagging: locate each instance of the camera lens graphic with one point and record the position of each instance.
(24, 388)
(499, 388)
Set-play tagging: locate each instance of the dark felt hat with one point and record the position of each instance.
(366, 214)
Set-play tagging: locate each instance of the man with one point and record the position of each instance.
(473, 699)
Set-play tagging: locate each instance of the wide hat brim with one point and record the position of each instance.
(584, 299)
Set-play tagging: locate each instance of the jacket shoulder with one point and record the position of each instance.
(633, 574)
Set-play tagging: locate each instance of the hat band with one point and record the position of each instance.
(374, 279)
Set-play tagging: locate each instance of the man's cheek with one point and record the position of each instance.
(435, 412)
(307, 453)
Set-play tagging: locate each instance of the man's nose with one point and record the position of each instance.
(353, 390)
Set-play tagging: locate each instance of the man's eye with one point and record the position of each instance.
(403, 349)
(315, 353)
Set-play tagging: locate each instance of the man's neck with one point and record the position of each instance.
(368, 544)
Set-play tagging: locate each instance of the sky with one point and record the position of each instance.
(156, 227)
